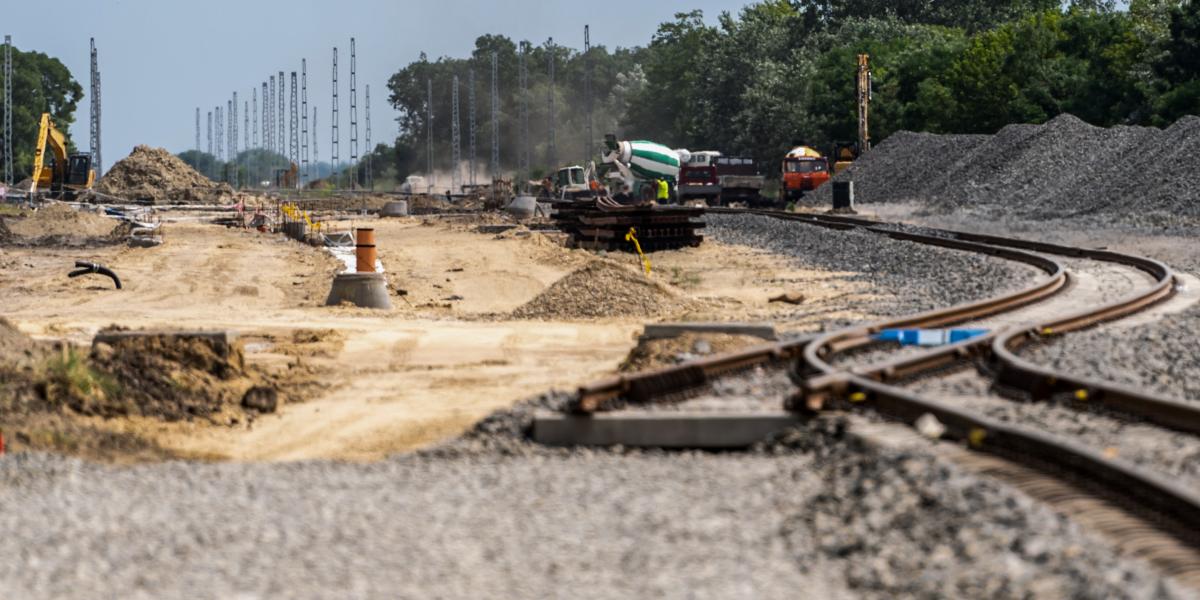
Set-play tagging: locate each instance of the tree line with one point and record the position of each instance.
(41, 84)
(781, 72)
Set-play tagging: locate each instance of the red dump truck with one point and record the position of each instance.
(720, 180)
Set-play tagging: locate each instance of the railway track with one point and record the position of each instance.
(1146, 512)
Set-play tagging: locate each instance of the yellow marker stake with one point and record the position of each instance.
(858, 397)
(632, 237)
(1081, 395)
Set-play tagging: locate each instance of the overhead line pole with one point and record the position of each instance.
(97, 161)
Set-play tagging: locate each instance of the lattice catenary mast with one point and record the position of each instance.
(334, 142)
(587, 91)
(471, 122)
(197, 132)
(353, 173)
(455, 138)
(551, 147)
(304, 119)
(524, 151)
(210, 143)
(97, 161)
(495, 163)
(254, 119)
(269, 117)
(429, 130)
(280, 118)
(315, 155)
(294, 124)
(370, 150)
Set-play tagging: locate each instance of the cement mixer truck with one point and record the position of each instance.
(640, 163)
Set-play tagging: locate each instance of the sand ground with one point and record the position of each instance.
(384, 381)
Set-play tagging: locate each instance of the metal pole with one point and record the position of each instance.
(455, 139)
(304, 177)
(471, 121)
(370, 150)
(335, 120)
(97, 161)
(495, 164)
(551, 149)
(587, 91)
(353, 173)
(429, 130)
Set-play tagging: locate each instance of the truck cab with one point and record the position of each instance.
(804, 170)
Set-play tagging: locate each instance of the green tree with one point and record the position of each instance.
(1180, 65)
(41, 84)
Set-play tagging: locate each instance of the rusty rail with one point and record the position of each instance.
(639, 388)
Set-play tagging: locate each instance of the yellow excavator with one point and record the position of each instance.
(66, 175)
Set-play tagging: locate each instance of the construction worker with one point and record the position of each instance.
(664, 193)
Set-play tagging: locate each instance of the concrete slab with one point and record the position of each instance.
(657, 331)
(665, 429)
(218, 338)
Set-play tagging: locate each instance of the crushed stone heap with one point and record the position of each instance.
(1064, 168)
(602, 289)
(157, 175)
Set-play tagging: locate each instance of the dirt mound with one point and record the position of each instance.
(1064, 168)
(157, 175)
(603, 289)
(60, 224)
(170, 377)
(653, 354)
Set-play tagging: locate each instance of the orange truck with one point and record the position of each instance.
(804, 170)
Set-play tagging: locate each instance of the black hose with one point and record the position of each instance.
(85, 268)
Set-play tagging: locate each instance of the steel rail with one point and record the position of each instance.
(642, 387)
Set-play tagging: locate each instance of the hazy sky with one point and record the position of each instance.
(160, 59)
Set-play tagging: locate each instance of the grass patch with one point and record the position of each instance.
(70, 380)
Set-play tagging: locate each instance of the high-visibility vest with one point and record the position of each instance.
(662, 190)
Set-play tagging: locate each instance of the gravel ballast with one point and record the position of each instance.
(910, 277)
(813, 512)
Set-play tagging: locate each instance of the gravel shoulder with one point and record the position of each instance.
(492, 516)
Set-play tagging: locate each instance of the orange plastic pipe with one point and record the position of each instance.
(364, 250)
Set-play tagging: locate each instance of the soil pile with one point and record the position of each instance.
(603, 289)
(157, 175)
(60, 225)
(654, 354)
(173, 378)
(1064, 168)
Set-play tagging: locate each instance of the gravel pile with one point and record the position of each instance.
(900, 168)
(909, 277)
(811, 512)
(156, 174)
(1063, 168)
(603, 289)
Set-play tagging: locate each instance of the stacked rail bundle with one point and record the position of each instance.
(655, 227)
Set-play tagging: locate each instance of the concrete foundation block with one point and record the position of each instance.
(666, 429)
(366, 290)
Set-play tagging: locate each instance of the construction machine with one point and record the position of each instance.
(844, 153)
(804, 170)
(642, 162)
(286, 178)
(66, 175)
